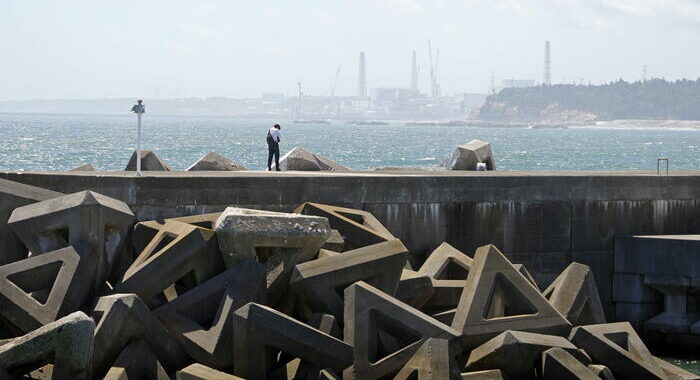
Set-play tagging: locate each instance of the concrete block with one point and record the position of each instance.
(670, 255)
(335, 242)
(515, 352)
(40, 289)
(278, 240)
(327, 324)
(601, 264)
(497, 297)
(601, 371)
(618, 347)
(200, 372)
(358, 228)
(446, 263)
(136, 362)
(301, 159)
(83, 168)
(149, 162)
(202, 318)
(521, 268)
(674, 372)
(465, 157)
(123, 318)
(675, 318)
(178, 253)
(12, 196)
(259, 330)
(415, 289)
(491, 374)
(629, 287)
(385, 333)
(66, 343)
(575, 295)
(319, 282)
(432, 361)
(95, 226)
(213, 161)
(558, 364)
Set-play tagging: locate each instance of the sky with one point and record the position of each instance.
(78, 49)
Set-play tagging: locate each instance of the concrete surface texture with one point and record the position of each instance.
(300, 159)
(242, 293)
(149, 162)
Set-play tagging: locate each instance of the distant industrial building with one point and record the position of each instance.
(518, 83)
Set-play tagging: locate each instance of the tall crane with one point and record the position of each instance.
(335, 82)
(434, 86)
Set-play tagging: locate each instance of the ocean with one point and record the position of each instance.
(62, 142)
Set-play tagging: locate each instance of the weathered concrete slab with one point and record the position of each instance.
(358, 228)
(136, 362)
(66, 343)
(618, 347)
(149, 162)
(300, 159)
(39, 289)
(200, 372)
(370, 313)
(465, 157)
(213, 161)
(676, 317)
(319, 282)
(188, 316)
(432, 361)
(12, 196)
(575, 295)
(278, 240)
(558, 364)
(123, 318)
(497, 297)
(258, 328)
(95, 225)
(515, 352)
(179, 253)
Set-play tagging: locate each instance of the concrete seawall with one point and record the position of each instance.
(542, 219)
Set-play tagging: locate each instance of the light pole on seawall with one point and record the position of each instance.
(139, 109)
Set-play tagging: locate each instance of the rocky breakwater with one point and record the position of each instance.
(322, 293)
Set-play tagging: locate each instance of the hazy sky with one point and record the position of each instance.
(95, 48)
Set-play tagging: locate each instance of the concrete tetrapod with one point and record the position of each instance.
(675, 317)
(150, 162)
(12, 196)
(432, 361)
(358, 228)
(385, 333)
(66, 343)
(515, 352)
(575, 294)
(618, 347)
(448, 268)
(200, 372)
(260, 330)
(178, 253)
(558, 364)
(415, 289)
(465, 157)
(40, 289)
(278, 240)
(497, 297)
(202, 318)
(95, 225)
(213, 161)
(123, 318)
(302, 160)
(320, 282)
(491, 374)
(136, 362)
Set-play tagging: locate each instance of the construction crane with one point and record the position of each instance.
(434, 86)
(335, 82)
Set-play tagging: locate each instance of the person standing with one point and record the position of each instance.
(273, 146)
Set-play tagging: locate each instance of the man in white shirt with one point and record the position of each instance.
(273, 146)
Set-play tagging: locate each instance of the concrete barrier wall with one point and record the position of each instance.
(544, 220)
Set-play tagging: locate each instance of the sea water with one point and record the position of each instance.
(61, 142)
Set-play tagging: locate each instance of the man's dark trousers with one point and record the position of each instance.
(273, 149)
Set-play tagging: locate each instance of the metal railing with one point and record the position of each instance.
(658, 165)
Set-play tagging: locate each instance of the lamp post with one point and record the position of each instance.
(139, 109)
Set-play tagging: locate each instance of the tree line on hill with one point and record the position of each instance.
(651, 99)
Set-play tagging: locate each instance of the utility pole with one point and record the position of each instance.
(139, 109)
(299, 113)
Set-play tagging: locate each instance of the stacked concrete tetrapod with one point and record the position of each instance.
(301, 159)
(250, 294)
